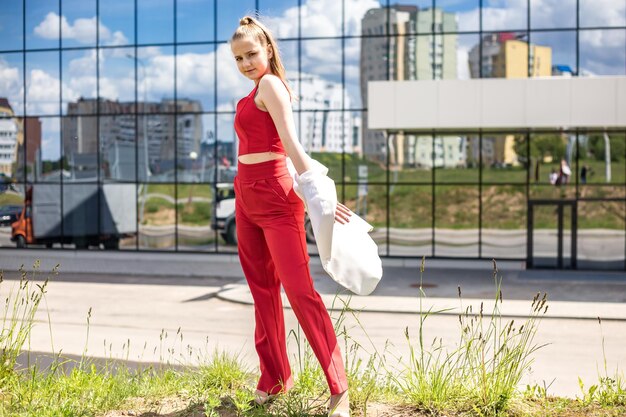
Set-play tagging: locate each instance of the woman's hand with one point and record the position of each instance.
(342, 214)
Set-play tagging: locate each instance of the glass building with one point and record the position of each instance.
(116, 124)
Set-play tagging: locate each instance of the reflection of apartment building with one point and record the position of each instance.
(324, 126)
(162, 138)
(506, 55)
(415, 51)
(442, 152)
(8, 138)
(18, 135)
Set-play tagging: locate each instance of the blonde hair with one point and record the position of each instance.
(250, 27)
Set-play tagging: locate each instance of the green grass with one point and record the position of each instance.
(478, 376)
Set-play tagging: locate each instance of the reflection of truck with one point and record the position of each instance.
(223, 219)
(88, 214)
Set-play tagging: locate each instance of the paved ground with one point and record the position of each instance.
(142, 300)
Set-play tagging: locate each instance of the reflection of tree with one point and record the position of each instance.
(596, 147)
(541, 146)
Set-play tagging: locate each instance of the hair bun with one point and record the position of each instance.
(246, 20)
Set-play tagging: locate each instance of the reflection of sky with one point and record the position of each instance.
(602, 52)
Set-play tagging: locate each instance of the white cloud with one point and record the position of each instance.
(83, 30)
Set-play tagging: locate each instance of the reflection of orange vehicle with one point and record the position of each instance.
(92, 214)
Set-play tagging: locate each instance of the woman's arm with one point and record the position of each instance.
(275, 97)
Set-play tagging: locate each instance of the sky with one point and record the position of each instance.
(602, 51)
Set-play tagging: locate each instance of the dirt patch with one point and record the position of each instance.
(182, 407)
(163, 217)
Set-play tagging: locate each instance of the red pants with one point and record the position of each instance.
(273, 251)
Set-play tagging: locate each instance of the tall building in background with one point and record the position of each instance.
(506, 55)
(414, 51)
(324, 125)
(8, 138)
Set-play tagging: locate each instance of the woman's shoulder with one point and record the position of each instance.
(272, 82)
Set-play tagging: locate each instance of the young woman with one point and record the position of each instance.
(270, 221)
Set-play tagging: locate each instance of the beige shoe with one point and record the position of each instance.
(339, 405)
(262, 399)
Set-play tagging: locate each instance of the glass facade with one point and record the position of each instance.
(116, 124)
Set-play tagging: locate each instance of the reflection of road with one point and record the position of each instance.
(593, 244)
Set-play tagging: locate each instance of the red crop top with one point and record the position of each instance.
(255, 128)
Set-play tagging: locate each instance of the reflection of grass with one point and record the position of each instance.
(11, 199)
(196, 213)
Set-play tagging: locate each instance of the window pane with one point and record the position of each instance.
(551, 14)
(80, 148)
(464, 45)
(370, 202)
(456, 220)
(465, 11)
(189, 132)
(227, 144)
(499, 15)
(228, 15)
(595, 149)
(12, 84)
(42, 23)
(81, 26)
(504, 222)
(118, 215)
(117, 22)
(42, 83)
(195, 20)
(503, 158)
(321, 19)
(117, 80)
(48, 143)
(157, 216)
(80, 209)
(601, 234)
(451, 160)
(155, 74)
(551, 159)
(602, 52)
(79, 81)
(12, 24)
(117, 147)
(156, 145)
(556, 50)
(155, 21)
(195, 76)
(195, 207)
(410, 232)
(604, 14)
(317, 61)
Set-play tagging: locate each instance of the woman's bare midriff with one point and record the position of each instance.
(255, 158)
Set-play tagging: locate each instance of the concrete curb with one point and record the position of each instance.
(239, 293)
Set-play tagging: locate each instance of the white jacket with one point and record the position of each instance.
(348, 253)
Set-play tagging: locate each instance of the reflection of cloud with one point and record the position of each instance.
(42, 94)
(11, 85)
(83, 30)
